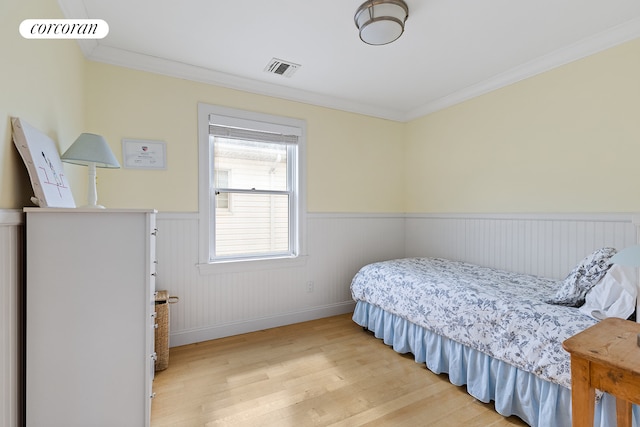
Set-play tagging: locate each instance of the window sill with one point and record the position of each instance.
(241, 266)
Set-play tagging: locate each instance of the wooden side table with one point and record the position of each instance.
(605, 356)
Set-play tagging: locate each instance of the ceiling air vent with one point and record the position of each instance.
(281, 68)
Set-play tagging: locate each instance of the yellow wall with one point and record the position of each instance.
(41, 81)
(564, 141)
(354, 163)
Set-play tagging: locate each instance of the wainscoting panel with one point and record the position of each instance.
(213, 305)
(228, 303)
(11, 365)
(547, 245)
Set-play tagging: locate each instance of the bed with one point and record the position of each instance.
(497, 332)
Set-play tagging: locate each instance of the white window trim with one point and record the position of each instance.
(240, 117)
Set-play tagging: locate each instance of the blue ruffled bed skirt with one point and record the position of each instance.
(538, 402)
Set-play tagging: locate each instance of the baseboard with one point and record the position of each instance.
(190, 337)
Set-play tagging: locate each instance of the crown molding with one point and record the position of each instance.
(134, 60)
(95, 51)
(591, 45)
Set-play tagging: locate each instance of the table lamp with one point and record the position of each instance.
(93, 151)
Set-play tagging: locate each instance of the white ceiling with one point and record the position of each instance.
(452, 50)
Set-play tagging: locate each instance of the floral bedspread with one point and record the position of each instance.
(500, 313)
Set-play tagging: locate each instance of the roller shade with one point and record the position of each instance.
(252, 135)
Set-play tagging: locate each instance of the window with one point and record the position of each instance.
(250, 180)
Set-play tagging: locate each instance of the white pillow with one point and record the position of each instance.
(614, 296)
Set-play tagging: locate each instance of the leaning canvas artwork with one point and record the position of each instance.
(43, 163)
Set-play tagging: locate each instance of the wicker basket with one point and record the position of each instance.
(162, 331)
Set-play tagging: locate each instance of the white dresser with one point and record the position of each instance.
(90, 284)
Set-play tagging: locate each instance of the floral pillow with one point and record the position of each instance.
(573, 289)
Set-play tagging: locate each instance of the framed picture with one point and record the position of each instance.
(43, 163)
(144, 154)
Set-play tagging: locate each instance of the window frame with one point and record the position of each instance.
(228, 198)
(253, 120)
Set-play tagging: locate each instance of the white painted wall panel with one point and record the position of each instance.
(11, 366)
(545, 245)
(227, 303)
(221, 304)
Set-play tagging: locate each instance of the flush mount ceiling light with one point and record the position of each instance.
(381, 21)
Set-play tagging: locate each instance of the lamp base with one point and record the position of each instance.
(92, 196)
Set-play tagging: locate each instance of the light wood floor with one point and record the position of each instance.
(327, 372)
